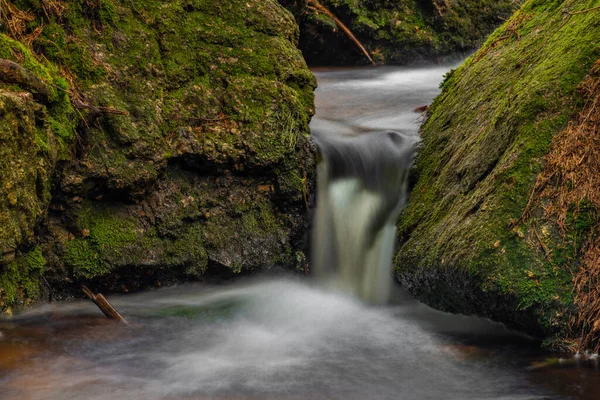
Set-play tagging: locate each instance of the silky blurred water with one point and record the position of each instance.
(271, 338)
(286, 337)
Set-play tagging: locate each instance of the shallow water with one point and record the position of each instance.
(270, 338)
(286, 337)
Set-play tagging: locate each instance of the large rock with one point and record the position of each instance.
(188, 148)
(489, 229)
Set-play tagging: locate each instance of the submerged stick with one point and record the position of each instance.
(104, 305)
(321, 8)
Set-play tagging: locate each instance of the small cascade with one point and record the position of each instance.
(362, 186)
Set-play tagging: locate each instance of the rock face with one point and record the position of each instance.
(173, 138)
(402, 31)
(503, 217)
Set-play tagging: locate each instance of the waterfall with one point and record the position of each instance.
(362, 186)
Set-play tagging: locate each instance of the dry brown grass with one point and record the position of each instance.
(15, 19)
(54, 7)
(571, 176)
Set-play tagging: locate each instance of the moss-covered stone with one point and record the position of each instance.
(19, 280)
(33, 138)
(400, 31)
(464, 245)
(187, 112)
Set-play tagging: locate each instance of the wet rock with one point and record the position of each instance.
(186, 113)
(475, 237)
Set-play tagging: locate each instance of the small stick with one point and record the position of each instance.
(585, 11)
(97, 110)
(104, 305)
(315, 5)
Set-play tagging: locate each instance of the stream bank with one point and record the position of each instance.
(501, 223)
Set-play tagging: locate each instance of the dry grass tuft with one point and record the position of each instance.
(570, 178)
(54, 7)
(14, 19)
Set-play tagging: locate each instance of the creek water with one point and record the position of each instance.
(286, 337)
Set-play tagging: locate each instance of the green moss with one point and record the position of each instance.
(84, 258)
(400, 31)
(107, 229)
(33, 138)
(19, 280)
(216, 87)
(256, 236)
(483, 146)
(111, 240)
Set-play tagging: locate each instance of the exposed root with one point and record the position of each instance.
(96, 111)
(13, 73)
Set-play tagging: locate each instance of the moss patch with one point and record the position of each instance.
(213, 90)
(483, 146)
(397, 31)
(19, 280)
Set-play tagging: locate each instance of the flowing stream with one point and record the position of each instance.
(286, 337)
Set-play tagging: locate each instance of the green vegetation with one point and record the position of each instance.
(397, 31)
(19, 280)
(483, 146)
(33, 138)
(163, 119)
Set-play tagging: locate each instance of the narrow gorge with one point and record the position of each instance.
(386, 199)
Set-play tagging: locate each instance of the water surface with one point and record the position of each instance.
(287, 337)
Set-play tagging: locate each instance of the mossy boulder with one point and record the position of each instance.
(175, 140)
(403, 31)
(475, 237)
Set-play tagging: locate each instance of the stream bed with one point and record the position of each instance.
(284, 336)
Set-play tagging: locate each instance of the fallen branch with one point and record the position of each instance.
(13, 73)
(315, 5)
(104, 305)
(96, 110)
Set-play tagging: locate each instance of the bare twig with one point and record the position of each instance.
(584, 11)
(315, 5)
